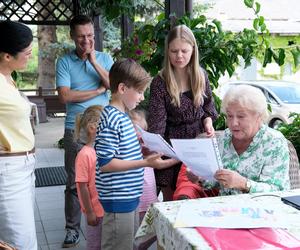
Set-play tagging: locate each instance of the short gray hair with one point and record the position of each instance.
(248, 97)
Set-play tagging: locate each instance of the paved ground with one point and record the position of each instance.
(49, 211)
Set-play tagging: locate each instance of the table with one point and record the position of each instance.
(161, 216)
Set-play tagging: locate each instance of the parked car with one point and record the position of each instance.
(283, 97)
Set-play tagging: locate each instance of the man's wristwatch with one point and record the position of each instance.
(248, 185)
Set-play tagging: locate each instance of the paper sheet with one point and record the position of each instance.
(202, 156)
(154, 142)
(230, 215)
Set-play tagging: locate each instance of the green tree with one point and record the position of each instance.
(220, 51)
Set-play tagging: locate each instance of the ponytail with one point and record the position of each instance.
(90, 115)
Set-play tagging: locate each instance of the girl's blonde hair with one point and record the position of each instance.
(196, 74)
(138, 115)
(90, 115)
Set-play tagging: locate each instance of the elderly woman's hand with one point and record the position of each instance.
(231, 179)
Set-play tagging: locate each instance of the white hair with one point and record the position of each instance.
(247, 97)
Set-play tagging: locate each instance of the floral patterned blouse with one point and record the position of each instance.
(265, 163)
(173, 122)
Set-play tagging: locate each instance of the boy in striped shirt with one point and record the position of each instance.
(119, 176)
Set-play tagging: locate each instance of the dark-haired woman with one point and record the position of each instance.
(17, 159)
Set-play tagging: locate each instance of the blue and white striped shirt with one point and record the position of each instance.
(116, 138)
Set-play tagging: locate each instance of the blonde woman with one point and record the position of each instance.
(181, 103)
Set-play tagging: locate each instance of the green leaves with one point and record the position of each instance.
(259, 24)
(281, 57)
(249, 3)
(111, 9)
(278, 57)
(257, 9)
(296, 56)
(292, 131)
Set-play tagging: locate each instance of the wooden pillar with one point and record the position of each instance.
(177, 7)
(189, 7)
(126, 27)
(98, 33)
(76, 7)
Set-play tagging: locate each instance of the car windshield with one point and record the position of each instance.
(288, 93)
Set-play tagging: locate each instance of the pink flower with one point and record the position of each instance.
(139, 52)
(135, 40)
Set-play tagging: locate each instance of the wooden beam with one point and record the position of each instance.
(189, 7)
(98, 33)
(177, 7)
(127, 27)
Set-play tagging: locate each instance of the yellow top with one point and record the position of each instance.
(16, 133)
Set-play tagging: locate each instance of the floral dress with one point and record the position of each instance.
(265, 162)
(173, 122)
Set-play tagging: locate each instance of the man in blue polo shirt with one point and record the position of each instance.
(82, 81)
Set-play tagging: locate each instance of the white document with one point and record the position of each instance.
(154, 142)
(201, 155)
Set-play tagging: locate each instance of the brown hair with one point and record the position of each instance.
(196, 74)
(90, 115)
(79, 20)
(130, 73)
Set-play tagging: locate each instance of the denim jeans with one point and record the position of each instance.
(17, 197)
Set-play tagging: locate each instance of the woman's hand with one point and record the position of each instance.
(208, 127)
(230, 179)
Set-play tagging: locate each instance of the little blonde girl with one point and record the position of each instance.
(85, 170)
(149, 195)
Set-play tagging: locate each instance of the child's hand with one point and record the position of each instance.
(152, 160)
(155, 161)
(145, 150)
(166, 163)
(92, 219)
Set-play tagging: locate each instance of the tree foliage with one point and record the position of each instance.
(292, 131)
(277, 55)
(219, 51)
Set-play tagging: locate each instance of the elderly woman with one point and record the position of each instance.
(17, 160)
(255, 157)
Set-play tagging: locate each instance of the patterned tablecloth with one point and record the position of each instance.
(160, 218)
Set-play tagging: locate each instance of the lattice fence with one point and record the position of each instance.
(45, 12)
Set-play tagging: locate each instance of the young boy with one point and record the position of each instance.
(119, 177)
